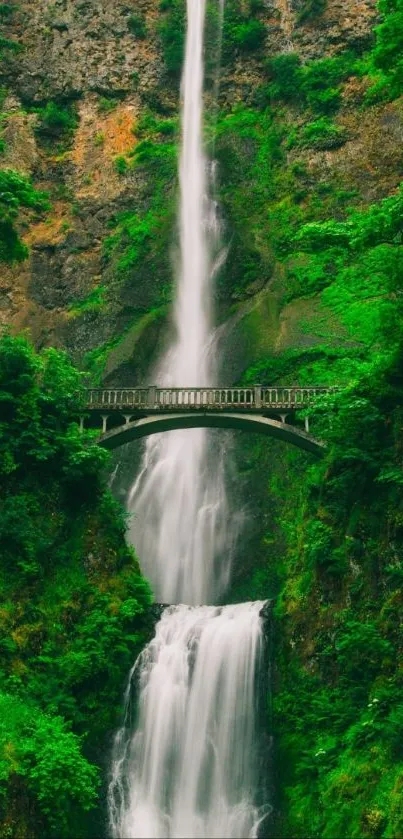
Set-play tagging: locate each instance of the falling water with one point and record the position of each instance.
(188, 770)
(185, 761)
(180, 523)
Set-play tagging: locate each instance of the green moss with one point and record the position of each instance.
(108, 357)
(94, 302)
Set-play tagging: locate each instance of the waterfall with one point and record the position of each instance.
(180, 513)
(189, 768)
(185, 761)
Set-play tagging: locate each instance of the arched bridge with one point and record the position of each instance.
(125, 414)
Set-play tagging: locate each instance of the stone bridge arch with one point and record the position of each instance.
(145, 426)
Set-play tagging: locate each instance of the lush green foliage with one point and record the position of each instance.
(73, 600)
(333, 548)
(172, 34)
(316, 84)
(388, 52)
(38, 750)
(16, 192)
(56, 121)
(243, 32)
(338, 708)
(321, 134)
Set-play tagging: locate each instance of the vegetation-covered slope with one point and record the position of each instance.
(73, 603)
(325, 231)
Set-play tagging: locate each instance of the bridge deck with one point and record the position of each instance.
(250, 399)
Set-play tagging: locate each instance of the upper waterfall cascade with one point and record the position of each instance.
(179, 501)
(186, 764)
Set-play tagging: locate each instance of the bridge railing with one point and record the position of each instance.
(154, 398)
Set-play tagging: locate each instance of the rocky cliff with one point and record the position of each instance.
(94, 282)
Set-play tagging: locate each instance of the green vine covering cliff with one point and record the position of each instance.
(307, 134)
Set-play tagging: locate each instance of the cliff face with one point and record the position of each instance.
(108, 65)
(83, 57)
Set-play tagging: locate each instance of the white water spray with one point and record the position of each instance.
(186, 764)
(189, 769)
(180, 524)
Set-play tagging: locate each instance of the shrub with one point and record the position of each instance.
(137, 25)
(172, 34)
(321, 82)
(105, 105)
(99, 139)
(5, 10)
(121, 165)
(249, 36)
(39, 748)
(311, 9)
(149, 126)
(316, 83)
(388, 52)
(285, 70)
(56, 121)
(323, 134)
(16, 191)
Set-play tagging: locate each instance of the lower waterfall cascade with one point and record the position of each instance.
(188, 767)
(185, 763)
